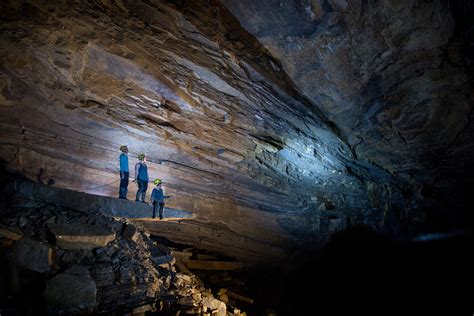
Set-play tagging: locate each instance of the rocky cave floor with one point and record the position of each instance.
(62, 261)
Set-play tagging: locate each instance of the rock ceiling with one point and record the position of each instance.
(280, 120)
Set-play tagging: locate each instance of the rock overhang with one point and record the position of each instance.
(231, 125)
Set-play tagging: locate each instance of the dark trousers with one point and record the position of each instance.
(142, 187)
(123, 184)
(160, 207)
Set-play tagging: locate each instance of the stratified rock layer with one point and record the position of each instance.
(80, 236)
(282, 121)
(395, 77)
(246, 247)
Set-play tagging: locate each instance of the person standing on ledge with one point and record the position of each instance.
(141, 178)
(158, 199)
(124, 172)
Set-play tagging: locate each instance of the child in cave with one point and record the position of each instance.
(158, 199)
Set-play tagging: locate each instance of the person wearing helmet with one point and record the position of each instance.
(158, 199)
(124, 172)
(141, 178)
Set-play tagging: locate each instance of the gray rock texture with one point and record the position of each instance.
(32, 255)
(71, 293)
(81, 236)
(395, 78)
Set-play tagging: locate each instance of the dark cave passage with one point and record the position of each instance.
(319, 143)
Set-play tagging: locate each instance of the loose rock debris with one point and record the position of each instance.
(90, 263)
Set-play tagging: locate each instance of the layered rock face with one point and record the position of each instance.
(394, 76)
(388, 74)
(280, 121)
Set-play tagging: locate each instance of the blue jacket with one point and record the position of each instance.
(157, 195)
(141, 172)
(123, 162)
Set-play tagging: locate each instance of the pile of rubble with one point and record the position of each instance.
(64, 261)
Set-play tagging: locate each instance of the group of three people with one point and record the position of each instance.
(141, 179)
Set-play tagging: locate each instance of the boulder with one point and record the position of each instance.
(81, 236)
(215, 305)
(131, 232)
(73, 292)
(162, 259)
(32, 255)
(186, 300)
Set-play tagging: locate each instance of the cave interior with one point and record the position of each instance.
(321, 144)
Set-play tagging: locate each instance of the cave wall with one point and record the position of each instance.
(394, 76)
(279, 131)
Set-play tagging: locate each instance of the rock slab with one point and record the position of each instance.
(72, 292)
(81, 236)
(32, 255)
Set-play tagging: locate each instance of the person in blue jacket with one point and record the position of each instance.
(158, 199)
(141, 178)
(124, 172)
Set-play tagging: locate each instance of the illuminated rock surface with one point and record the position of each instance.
(276, 122)
(80, 236)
